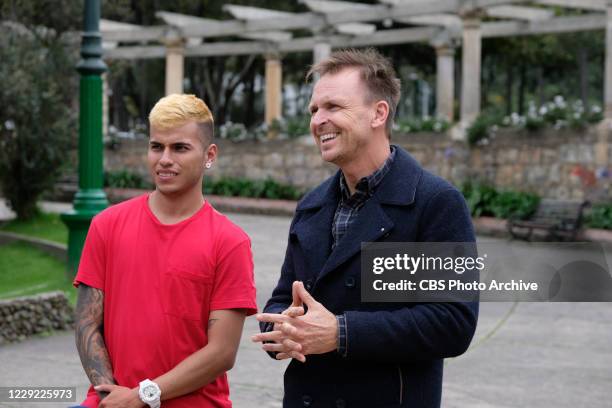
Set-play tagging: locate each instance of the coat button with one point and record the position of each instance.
(307, 400)
(308, 285)
(340, 403)
(349, 282)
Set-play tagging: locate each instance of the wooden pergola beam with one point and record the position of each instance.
(385, 37)
(184, 20)
(595, 5)
(557, 25)
(310, 21)
(520, 13)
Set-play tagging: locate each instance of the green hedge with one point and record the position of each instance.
(485, 200)
(227, 186)
(599, 216)
(125, 179)
(242, 187)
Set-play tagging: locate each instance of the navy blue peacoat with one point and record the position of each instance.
(395, 351)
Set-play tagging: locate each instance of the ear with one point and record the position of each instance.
(380, 114)
(211, 153)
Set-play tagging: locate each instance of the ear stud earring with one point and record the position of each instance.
(208, 165)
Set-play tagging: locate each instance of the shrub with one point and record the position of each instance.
(297, 126)
(426, 124)
(558, 114)
(485, 200)
(125, 179)
(600, 216)
(241, 187)
(37, 122)
(513, 204)
(483, 128)
(478, 198)
(233, 131)
(284, 128)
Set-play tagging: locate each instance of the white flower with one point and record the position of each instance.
(9, 125)
(559, 101)
(596, 109)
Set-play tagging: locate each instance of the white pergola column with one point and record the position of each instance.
(175, 60)
(608, 68)
(471, 68)
(445, 82)
(274, 88)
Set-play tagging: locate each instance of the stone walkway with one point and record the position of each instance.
(527, 354)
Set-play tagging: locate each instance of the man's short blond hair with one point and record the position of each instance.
(176, 110)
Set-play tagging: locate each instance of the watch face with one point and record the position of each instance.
(150, 392)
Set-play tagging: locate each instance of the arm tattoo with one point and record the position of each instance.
(211, 322)
(89, 336)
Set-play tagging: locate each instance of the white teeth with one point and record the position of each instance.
(328, 136)
(165, 174)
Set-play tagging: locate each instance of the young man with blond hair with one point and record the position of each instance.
(165, 281)
(348, 353)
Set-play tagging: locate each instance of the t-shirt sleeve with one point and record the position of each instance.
(234, 285)
(92, 265)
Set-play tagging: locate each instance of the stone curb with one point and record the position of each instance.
(55, 249)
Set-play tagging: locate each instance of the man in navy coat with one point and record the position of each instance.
(346, 353)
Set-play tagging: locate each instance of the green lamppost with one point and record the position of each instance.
(90, 199)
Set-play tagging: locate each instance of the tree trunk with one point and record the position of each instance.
(584, 75)
(522, 87)
(540, 86)
(249, 100)
(509, 81)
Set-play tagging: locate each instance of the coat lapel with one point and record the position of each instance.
(371, 223)
(315, 238)
(313, 231)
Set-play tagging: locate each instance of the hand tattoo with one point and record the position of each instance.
(89, 336)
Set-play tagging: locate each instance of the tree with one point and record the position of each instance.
(37, 121)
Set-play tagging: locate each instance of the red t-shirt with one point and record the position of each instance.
(160, 283)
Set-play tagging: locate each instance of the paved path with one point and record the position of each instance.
(527, 354)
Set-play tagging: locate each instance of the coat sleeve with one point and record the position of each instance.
(281, 295)
(420, 331)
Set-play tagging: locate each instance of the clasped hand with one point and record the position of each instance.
(297, 334)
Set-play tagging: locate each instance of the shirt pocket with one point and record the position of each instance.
(184, 293)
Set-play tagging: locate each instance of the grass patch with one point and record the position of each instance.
(25, 270)
(43, 225)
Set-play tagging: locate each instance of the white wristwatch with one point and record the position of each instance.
(150, 393)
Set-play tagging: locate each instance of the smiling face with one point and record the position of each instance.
(177, 158)
(342, 116)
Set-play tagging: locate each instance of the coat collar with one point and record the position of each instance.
(398, 187)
